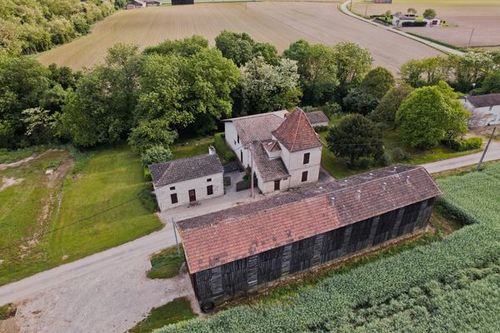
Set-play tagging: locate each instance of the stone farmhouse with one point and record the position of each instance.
(239, 250)
(485, 110)
(187, 180)
(281, 148)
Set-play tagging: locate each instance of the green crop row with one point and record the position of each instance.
(336, 300)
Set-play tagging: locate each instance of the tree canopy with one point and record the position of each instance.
(390, 103)
(266, 87)
(355, 137)
(241, 48)
(431, 114)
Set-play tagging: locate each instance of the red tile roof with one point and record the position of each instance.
(235, 233)
(296, 132)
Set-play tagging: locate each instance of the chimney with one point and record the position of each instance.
(211, 150)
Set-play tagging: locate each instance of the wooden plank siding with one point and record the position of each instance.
(239, 277)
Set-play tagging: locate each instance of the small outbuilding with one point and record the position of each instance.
(188, 180)
(485, 110)
(242, 249)
(317, 119)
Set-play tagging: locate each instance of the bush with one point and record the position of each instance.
(7, 311)
(319, 129)
(331, 109)
(225, 153)
(156, 154)
(400, 155)
(148, 199)
(166, 264)
(465, 144)
(383, 159)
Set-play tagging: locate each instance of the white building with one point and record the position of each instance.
(188, 180)
(282, 147)
(485, 110)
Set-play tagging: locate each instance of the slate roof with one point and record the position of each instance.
(235, 233)
(296, 132)
(480, 101)
(257, 127)
(269, 169)
(185, 169)
(317, 117)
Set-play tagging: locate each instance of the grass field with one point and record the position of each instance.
(47, 220)
(463, 15)
(279, 23)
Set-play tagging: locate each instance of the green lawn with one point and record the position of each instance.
(199, 146)
(99, 209)
(8, 156)
(338, 168)
(177, 310)
(166, 264)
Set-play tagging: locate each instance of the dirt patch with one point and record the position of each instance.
(5, 166)
(51, 203)
(9, 326)
(9, 181)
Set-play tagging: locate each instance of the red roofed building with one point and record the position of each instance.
(282, 148)
(241, 249)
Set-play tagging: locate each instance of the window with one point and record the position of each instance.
(306, 157)
(304, 176)
(209, 180)
(241, 156)
(238, 138)
(277, 185)
(173, 198)
(172, 188)
(210, 189)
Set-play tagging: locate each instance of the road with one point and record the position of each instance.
(108, 291)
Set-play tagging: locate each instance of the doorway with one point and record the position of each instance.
(192, 195)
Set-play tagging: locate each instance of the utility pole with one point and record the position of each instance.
(176, 240)
(485, 149)
(470, 38)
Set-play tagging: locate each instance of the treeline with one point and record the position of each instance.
(30, 26)
(184, 87)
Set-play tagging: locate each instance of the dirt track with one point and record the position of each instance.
(279, 23)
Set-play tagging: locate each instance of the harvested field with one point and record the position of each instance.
(279, 23)
(481, 15)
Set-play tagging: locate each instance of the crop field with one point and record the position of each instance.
(279, 23)
(463, 16)
(449, 285)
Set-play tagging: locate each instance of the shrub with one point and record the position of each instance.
(148, 199)
(465, 144)
(331, 109)
(319, 129)
(399, 155)
(7, 311)
(156, 154)
(225, 153)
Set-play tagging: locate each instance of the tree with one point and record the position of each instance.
(23, 82)
(377, 82)
(265, 87)
(470, 69)
(241, 48)
(352, 63)
(490, 84)
(429, 13)
(40, 124)
(317, 69)
(389, 104)
(412, 11)
(426, 72)
(186, 47)
(431, 114)
(355, 137)
(149, 134)
(359, 101)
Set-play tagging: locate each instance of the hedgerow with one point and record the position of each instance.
(337, 301)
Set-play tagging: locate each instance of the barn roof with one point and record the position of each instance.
(317, 117)
(296, 132)
(185, 169)
(480, 101)
(218, 238)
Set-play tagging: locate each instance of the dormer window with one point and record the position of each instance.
(306, 158)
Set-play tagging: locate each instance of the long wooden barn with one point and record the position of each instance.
(238, 250)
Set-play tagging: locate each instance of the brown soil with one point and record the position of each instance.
(279, 23)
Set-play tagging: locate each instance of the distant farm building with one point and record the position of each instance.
(142, 4)
(485, 109)
(244, 248)
(410, 20)
(382, 1)
(187, 181)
